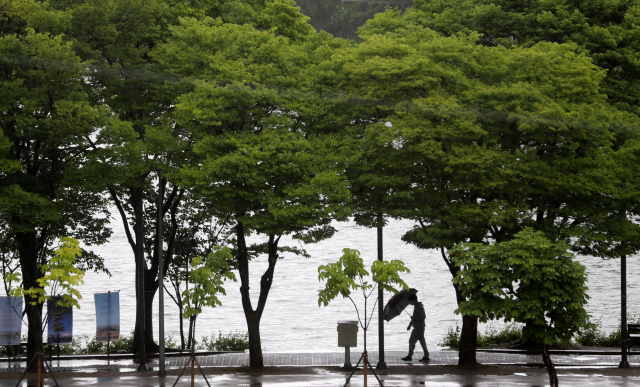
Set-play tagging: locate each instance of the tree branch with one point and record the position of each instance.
(123, 215)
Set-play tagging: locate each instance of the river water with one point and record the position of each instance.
(292, 319)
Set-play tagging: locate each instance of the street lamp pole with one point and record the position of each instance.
(161, 369)
(381, 363)
(624, 363)
(140, 257)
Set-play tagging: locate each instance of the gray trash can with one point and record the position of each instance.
(347, 338)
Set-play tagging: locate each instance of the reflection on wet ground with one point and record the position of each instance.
(516, 380)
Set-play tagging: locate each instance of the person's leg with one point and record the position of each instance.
(412, 343)
(423, 343)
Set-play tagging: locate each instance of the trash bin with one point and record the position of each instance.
(347, 338)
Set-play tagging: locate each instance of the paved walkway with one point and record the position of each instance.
(337, 359)
(394, 358)
(527, 377)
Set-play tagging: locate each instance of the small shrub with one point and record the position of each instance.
(508, 334)
(85, 345)
(451, 339)
(593, 336)
(234, 341)
(169, 342)
(16, 350)
(92, 347)
(124, 344)
(72, 348)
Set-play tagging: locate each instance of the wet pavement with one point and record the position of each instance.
(319, 369)
(516, 380)
(336, 359)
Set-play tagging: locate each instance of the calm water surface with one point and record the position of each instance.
(293, 321)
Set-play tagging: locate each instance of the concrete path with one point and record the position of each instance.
(123, 375)
(392, 358)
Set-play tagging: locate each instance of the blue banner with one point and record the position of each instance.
(60, 322)
(107, 317)
(10, 320)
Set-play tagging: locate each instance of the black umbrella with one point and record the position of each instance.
(397, 303)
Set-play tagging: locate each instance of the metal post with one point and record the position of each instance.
(138, 191)
(161, 369)
(109, 330)
(624, 363)
(347, 357)
(381, 363)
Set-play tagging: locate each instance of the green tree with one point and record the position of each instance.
(490, 140)
(348, 274)
(607, 30)
(207, 276)
(528, 280)
(199, 232)
(60, 276)
(49, 121)
(119, 36)
(263, 170)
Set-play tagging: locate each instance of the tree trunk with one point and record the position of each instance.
(469, 333)
(551, 368)
(151, 284)
(182, 344)
(253, 316)
(27, 248)
(255, 348)
(468, 340)
(150, 290)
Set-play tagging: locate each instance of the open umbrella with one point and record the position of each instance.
(397, 303)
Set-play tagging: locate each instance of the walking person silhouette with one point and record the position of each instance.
(417, 320)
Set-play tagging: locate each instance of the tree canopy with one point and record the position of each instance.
(476, 119)
(493, 139)
(529, 280)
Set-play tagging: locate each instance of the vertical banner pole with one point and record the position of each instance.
(161, 369)
(109, 331)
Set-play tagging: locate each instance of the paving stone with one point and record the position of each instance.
(394, 358)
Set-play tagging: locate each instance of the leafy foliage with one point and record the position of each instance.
(232, 341)
(207, 277)
(527, 280)
(606, 30)
(349, 274)
(508, 334)
(60, 276)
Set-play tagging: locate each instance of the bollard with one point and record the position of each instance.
(347, 338)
